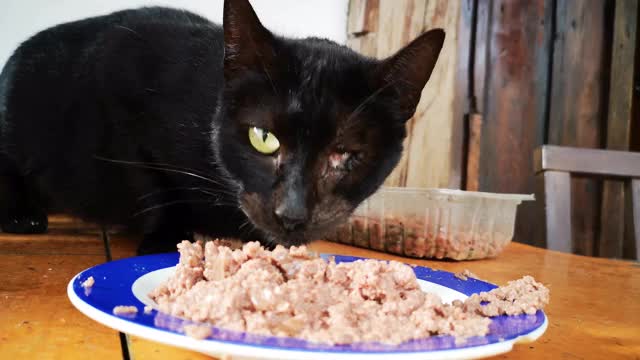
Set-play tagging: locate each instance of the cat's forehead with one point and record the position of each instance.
(319, 58)
(323, 73)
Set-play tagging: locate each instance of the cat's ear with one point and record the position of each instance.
(247, 44)
(407, 71)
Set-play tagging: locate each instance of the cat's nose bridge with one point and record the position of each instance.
(291, 208)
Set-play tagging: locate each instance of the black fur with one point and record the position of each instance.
(103, 118)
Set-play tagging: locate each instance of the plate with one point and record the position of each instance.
(128, 281)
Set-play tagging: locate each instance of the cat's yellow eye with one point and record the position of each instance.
(263, 141)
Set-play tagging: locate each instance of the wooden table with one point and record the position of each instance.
(594, 311)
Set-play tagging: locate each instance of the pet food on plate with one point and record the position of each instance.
(87, 284)
(197, 331)
(295, 293)
(466, 274)
(125, 310)
(433, 223)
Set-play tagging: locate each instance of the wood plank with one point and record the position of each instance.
(400, 22)
(429, 149)
(462, 95)
(515, 101)
(37, 319)
(362, 25)
(432, 150)
(145, 349)
(632, 238)
(621, 83)
(587, 161)
(635, 106)
(363, 17)
(612, 225)
(482, 48)
(557, 202)
(635, 196)
(577, 105)
(473, 159)
(612, 219)
(476, 92)
(427, 161)
(65, 236)
(56, 241)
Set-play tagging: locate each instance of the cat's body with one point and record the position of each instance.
(137, 86)
(101, 118)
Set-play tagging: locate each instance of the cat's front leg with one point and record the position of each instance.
(19, 211)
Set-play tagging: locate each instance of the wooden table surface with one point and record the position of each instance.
(594, 311)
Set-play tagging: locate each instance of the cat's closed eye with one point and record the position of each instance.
(343, 161)
(263, 141)
(339, 160)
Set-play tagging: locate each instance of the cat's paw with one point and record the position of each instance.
(25, 224)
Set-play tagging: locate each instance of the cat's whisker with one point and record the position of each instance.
(159, 206)
(130, 30)
(149, 163)
(366, 101)
(153, 166)
(164, 191)
(211, 192)
(245, 223)
(222, 203)
(266, 71)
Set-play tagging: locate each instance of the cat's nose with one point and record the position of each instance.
(292, 218)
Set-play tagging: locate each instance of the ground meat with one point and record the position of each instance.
(87, 284)
(292, 292)
(189, 270)
(197, 331)
(524, 296)
(148, 309)
(414, 237)
(232, 243)
(466, 274)
(125, 310)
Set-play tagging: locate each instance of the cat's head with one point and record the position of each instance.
(308, 128)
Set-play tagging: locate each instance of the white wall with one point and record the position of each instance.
(19, 19)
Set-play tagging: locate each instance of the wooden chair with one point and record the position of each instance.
(557, 163)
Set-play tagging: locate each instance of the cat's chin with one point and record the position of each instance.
(272, 239)
(292, 242)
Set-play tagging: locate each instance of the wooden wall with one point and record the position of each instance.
(515, 66)
(381, 27)
(578, 100)
(513, 75)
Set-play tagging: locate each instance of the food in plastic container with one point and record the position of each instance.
(433, 223)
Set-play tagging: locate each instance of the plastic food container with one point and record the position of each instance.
(433, 223)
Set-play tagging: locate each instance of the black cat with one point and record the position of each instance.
(162, 121)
